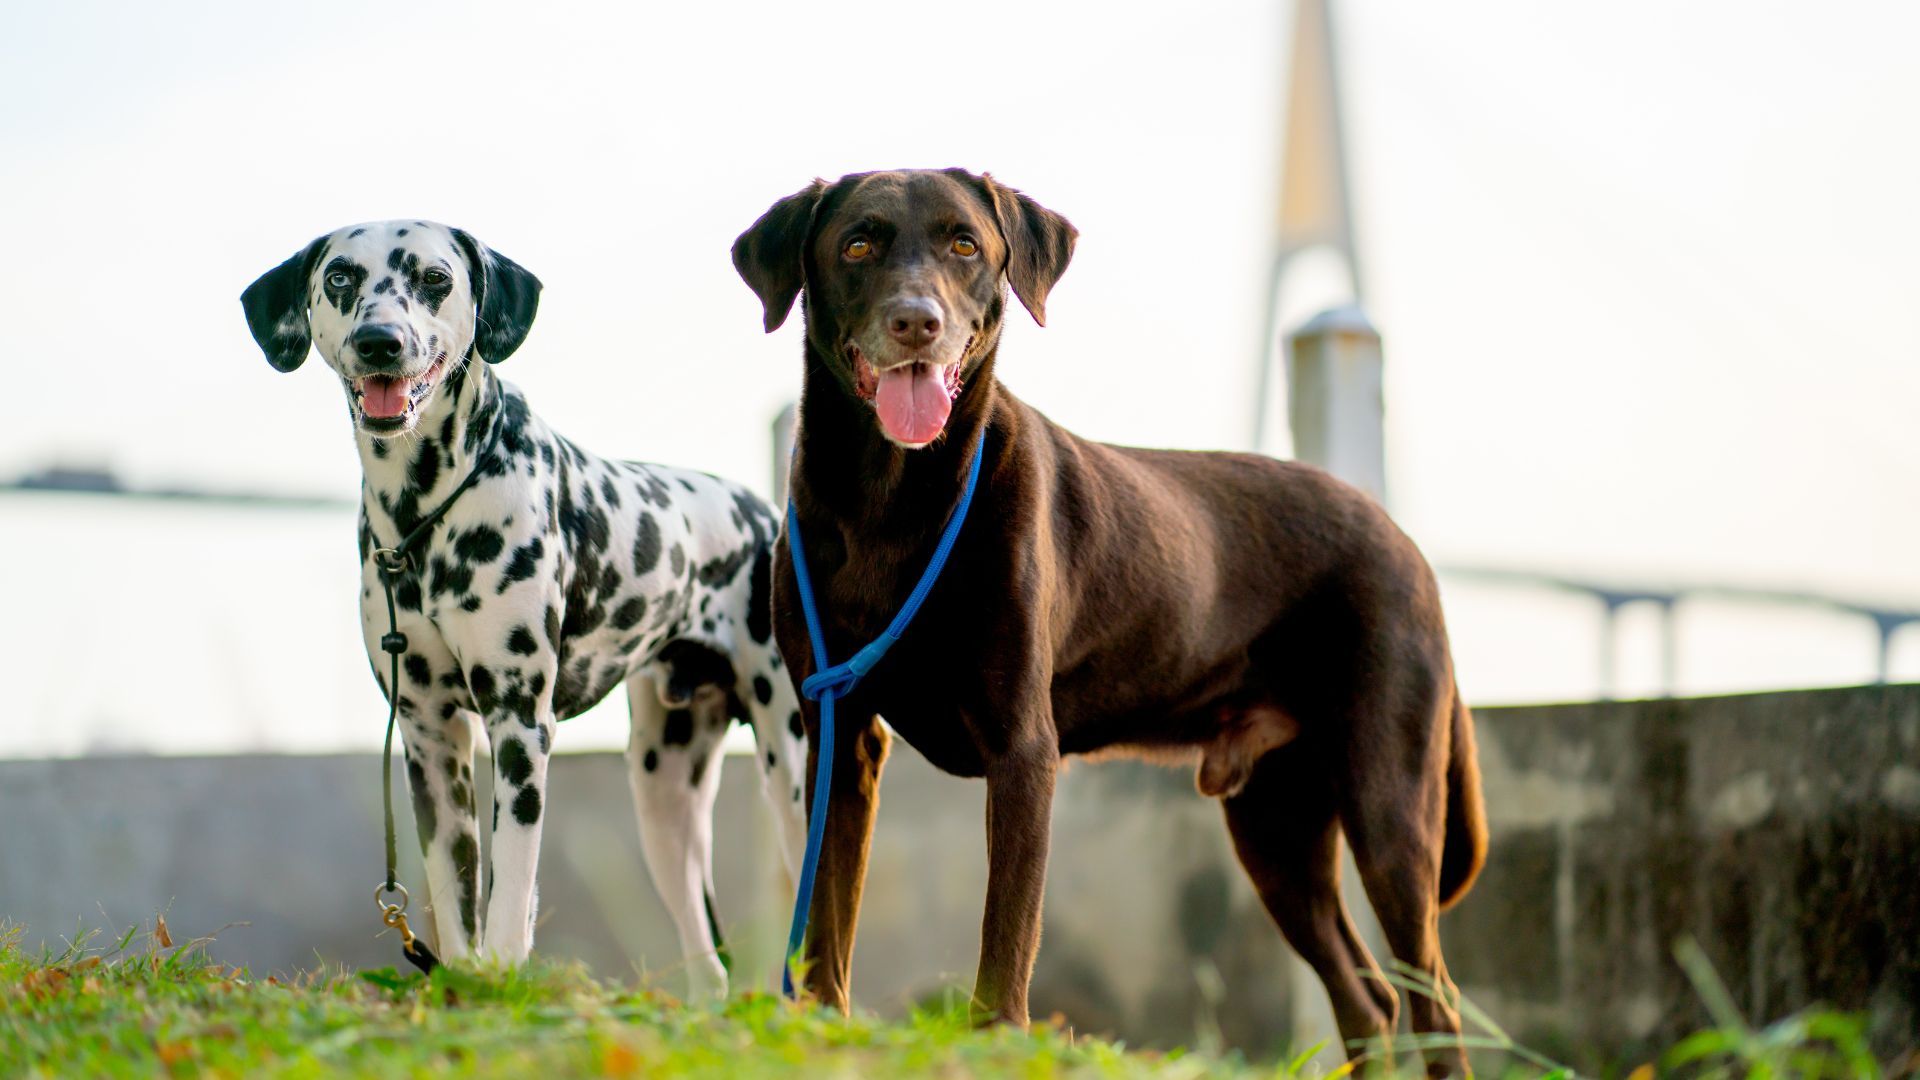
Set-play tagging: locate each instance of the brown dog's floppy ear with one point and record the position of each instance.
(276, 309)
(770, 254)
(505, 297)
(1039, 245)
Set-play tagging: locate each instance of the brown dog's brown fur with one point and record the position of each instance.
(1255, 615)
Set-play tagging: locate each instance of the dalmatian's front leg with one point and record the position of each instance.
(437, 737)
(517, 704)
(439, 765)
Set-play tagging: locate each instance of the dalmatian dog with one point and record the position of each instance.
(555, 576)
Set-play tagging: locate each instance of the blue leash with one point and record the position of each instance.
(837, 681)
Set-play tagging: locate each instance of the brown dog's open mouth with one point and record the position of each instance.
(913, 400)
(388, 398)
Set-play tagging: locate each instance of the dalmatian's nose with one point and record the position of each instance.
(379, 346)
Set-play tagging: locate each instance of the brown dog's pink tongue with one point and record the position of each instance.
(384, 398)
(913, 402)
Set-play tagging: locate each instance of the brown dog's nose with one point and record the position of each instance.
(914, 321)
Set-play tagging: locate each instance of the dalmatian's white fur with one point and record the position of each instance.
(556, 576)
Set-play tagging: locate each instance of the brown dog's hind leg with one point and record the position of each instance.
(1285, 831)
(860, 749)
(1395, 818)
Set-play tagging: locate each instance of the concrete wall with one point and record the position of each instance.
(1781, 830)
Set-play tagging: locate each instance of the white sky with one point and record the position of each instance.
(1646, 271)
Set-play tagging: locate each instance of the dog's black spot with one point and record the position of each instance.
(480, 544)
(342, 299)
(431, 293)
(447, 709)
(355, 233)
(760, 597)
(400, 232)
(444, 578)
(772, 760)
(609, 492)
(514, 764)
(717, 572)
(419, 670)
(480, 682)
(691, 665)
(646, 544)
(383, 285)
(462, 795)
(762, 690)
(651, 761)
(699, 771)
(796, 725)
(425, 817)
(380, 448)
(796, 793)
(525, 560)
(466, 864)
(537, 684)
(469, 603)
(679, 728)
(629, 613)
(677, 559)
(552, 626)
(546, 739)
(753, 514)
(407, 594)
(520, 640)
(526, 805)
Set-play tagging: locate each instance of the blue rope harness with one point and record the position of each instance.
(829, 682)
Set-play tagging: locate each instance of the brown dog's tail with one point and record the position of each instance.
(1465, 850)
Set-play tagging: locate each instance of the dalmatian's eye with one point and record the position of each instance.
(339, 279)
(435, 276)
(858, 248)
(964, 246)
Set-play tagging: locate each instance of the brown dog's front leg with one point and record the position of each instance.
(860, 749)
(1019, 826)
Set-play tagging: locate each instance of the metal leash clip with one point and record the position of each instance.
(395, 917)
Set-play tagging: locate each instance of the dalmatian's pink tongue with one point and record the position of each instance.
(913, 402)
(384, 397)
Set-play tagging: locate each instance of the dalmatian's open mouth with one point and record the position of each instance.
(912, 400)
(388, 400)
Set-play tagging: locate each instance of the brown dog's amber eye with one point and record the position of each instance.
(858, 248)
(964, 245)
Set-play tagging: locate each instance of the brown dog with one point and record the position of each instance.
(1256, 616)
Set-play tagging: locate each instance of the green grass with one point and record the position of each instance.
(152, 1008)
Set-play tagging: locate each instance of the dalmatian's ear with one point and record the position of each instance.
(506, 295)
(276, 309)
(770, 255)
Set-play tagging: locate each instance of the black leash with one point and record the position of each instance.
(390, 563)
